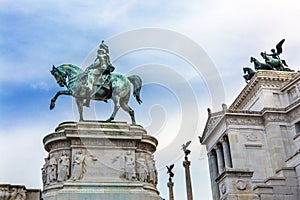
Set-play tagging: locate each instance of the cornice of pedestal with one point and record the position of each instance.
(97, 133)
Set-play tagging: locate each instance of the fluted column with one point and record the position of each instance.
(170, 186)
(226, 152)
(213, 168)
(186, 164)
(220, 158)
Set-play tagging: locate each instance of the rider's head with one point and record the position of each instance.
(273, 51)
(101, 51)
(104, 46)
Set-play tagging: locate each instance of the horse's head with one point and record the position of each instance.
(252, 59)
(59, 76)
(264, 55)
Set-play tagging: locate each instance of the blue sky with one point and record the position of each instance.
(34, 35)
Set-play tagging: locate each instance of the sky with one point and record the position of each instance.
(189, 54)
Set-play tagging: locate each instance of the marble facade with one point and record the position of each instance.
(254, 145)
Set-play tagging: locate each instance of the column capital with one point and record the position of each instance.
(170, 184)
(218, 146)
(186, 163)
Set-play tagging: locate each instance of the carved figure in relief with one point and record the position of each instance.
(44, 172)
(53, 168)
(18, 194)
(152, 170)
(141, 169)
(4, 193)
(12, 194)
(78, 166)
(63, 167)
(130, 173)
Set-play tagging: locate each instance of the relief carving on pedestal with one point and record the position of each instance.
(45, 172)
(52, 169)
(78, 169)
(141, 168)
(130, 173)
(152, 172)
(63, 171)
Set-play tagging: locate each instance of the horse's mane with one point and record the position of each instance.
(70, 66)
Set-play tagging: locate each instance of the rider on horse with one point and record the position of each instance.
(99, 71)
(273, 58)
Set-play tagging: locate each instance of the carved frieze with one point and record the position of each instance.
(276, 117)
(240, 120)
(9, 192)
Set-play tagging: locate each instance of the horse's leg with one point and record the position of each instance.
(116, 100)
(129, 110)
(62, 92)
(124, 104)
(79, 103)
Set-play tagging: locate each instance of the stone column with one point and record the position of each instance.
(186, 164)
(170, 186)
(226, 152)
(220, 158)
(213, 169)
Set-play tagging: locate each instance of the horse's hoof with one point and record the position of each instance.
(109, 120)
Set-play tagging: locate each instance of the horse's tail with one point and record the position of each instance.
(137, 85)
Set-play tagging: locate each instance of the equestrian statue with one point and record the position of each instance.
(98, 83)
(272, 62)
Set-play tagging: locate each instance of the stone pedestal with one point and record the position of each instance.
(99, 160)
(235, 184)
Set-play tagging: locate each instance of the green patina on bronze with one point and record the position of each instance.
(117, 88)
(97, 83)
(272, 62)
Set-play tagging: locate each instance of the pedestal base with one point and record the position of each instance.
(99, 160)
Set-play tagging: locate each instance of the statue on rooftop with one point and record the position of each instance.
(273, 58)
(272, 62)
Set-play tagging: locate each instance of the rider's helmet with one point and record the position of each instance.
(104, 47)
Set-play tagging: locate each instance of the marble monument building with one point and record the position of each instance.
(254, 145)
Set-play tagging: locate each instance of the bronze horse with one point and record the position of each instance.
(119, 91)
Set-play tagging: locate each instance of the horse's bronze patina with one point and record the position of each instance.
(272, 62)
(74, 78)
